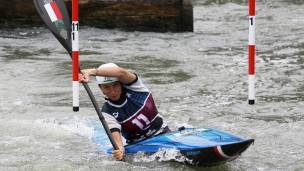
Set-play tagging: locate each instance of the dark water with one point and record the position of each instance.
(197, 79)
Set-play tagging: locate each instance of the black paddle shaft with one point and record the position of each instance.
(61, 29)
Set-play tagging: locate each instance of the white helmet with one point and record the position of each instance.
(106, 80)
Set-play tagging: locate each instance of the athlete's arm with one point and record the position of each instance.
(123, 75)
(118, 154)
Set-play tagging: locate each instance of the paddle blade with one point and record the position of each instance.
(56, 17)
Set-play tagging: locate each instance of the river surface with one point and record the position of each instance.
(197, 79)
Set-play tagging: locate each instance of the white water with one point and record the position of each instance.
(197, 79)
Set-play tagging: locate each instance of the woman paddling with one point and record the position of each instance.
(129, 108)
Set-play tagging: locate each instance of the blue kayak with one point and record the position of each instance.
(200, 146)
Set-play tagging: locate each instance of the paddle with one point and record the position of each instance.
(56, 17)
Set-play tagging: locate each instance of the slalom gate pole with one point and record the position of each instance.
(75, 55)
(251, 52)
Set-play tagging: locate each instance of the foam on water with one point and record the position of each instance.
(161, 155)
(80, 126)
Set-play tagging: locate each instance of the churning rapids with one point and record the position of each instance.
(197, 79)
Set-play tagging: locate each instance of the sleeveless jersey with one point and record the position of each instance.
(137, 117)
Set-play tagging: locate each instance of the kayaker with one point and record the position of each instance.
(129, 108)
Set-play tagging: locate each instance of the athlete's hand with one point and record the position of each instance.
(118, 154)
(84, 76)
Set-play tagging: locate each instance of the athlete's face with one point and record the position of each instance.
(112, 90)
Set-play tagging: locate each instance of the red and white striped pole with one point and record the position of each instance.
(251, 51)
(75, 55)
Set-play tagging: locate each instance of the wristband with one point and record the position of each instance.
(96, 71)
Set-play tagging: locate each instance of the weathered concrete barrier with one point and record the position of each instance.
(132, 15)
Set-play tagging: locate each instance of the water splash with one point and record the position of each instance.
(163, 154)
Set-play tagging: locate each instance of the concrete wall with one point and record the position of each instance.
(132, 15)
